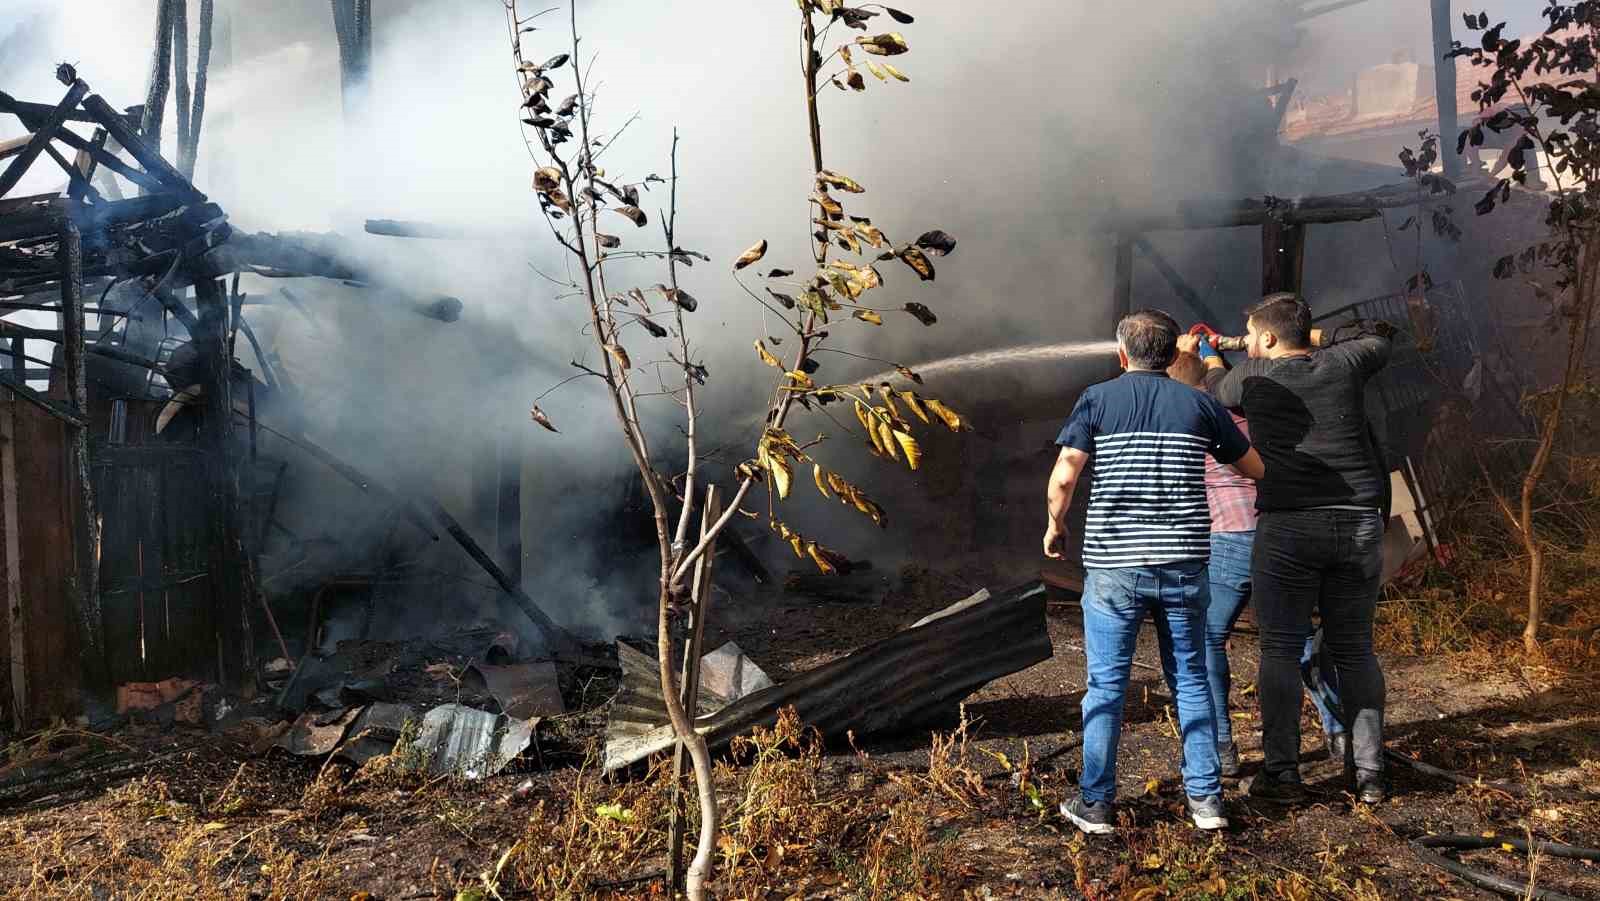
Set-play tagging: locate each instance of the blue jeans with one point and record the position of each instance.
(1230, 590)
(1114, 605)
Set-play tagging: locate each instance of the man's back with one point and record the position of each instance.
(1149, 436)
(1308, 420)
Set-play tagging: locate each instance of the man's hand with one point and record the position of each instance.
(1188, 344)
(1055, 541)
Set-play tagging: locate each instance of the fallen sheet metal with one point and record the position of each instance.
(524, 690)
(726, 675)
(899, 682)
(315, 734)
(375, 731)
(462, 741)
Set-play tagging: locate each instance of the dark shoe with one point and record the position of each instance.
(1338, 746)
(1207, 813)
(1228, 757)
(1092, 818)
(1279, 790)
(1371, 787)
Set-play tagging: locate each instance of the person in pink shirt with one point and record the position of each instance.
(1232, 499)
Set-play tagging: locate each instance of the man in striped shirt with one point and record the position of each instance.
(1146, 542)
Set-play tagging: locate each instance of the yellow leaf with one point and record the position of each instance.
(782, 475)
(896, 72)
(1151, 785)
(886, 440)
(829, 206)
(868, 316)
(798, 546)
(213, 827)
(843, 183)
(877, 70)
(839, 486)
(861, 416)
(756, 252)
(952, 419)
(620, 355)
(909, 447)
(911, 400)
(819, 559)
(822, 482)
(767, 357)
(844, 53)
(870, 233)
(801, 379)
(1152, 861)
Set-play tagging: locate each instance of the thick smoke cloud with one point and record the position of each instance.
(1023, 126)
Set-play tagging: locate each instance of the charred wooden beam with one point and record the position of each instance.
(59, 411)
(149, 158)
(41, 137)
(561, 641)
(155, 99)
(189, 150)
(38, 111)
(85, 521)
(901, 681)
(1283, 254)
(33, 116)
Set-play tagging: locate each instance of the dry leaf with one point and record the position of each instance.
(756, 252)
(843, 183)
(801, 379)
(546, 179)
(823, 563)
(870, 233)
(821, 480)
(782, 475)
(913, 256)
(901, 17)
(951, 418)
(540, 417)
(886, 440)
(923, 314)
(915, 404)
(890, 44)
(654, 329)
(607, 240)
(907, 373)
(635, 214)
(780, 273)
(896, 72)
(868, 316)
(936, 242)
(829, 206)
(766, 357)
(786, 300)
(877, 70)
(621, 356)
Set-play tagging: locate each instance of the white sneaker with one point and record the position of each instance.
(1207, 813)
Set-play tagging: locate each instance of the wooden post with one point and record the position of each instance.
(15, 620)
(233, 587)
(1282, 255)
(155, 98)
(86, 532)
(1444, 86)
(699, 607)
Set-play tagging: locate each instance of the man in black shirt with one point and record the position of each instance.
(1319, 539)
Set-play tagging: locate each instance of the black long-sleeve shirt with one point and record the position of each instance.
(1308, 420)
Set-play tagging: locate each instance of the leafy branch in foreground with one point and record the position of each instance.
(580, 202)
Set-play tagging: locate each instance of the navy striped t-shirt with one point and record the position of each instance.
(1148, 437)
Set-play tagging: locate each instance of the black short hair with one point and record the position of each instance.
(1149, 338)
(1286, 316)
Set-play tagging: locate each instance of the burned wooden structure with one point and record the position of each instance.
(130, 485)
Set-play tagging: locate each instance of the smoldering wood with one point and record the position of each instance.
(85, 520)
(147, 156)
(155, 98)
(904, 680)
(560, 639)
(32, 117)
(189, 152)
(41, 137)
(1354, 206)
(1283, 246)
(180, 71)
(37, 111)
(358, 478)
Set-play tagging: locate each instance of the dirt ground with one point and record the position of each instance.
(195, 814)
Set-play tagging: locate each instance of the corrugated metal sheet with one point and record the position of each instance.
(906, 679)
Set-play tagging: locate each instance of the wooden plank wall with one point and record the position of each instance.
(40, 652)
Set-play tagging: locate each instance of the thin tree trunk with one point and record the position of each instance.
(1583, 310)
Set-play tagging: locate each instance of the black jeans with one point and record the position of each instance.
(1330, 561)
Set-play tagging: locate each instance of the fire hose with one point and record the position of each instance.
(1423, 848)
